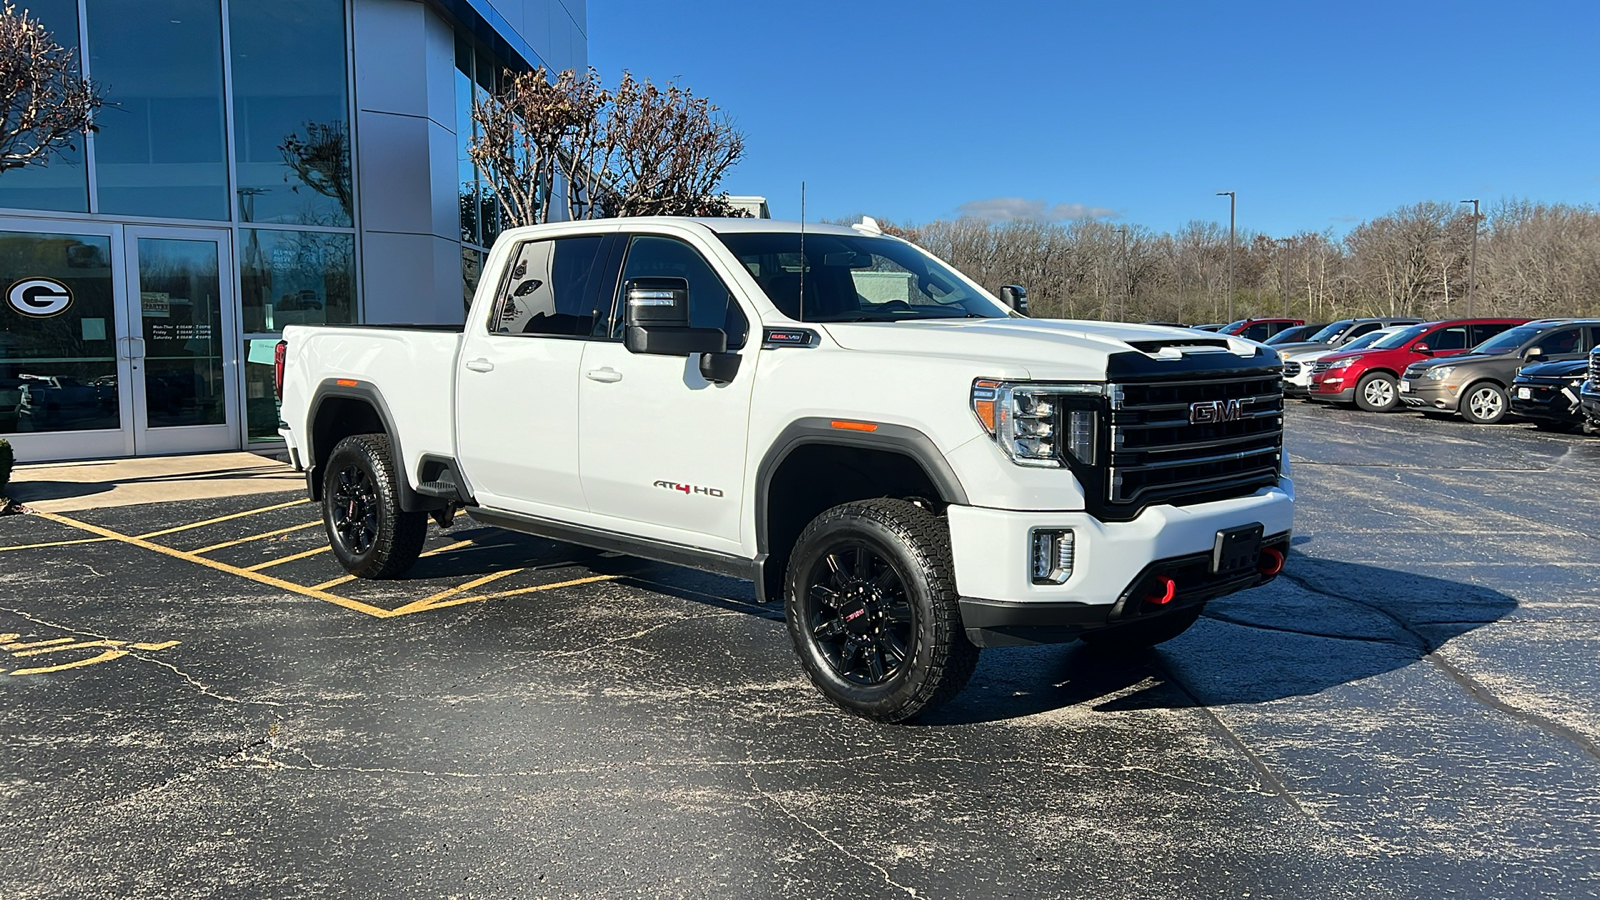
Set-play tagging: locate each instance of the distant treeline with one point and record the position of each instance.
(1533, 260)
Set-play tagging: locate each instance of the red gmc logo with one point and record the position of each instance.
(1211, 412)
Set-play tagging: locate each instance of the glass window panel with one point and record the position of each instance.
(261, 405)
(711, 305)
(296, 278)
(180, 306)
(291, 111)
(467, 176)
(58, 372)
(552, 289)
(62, 182)
(160, 149)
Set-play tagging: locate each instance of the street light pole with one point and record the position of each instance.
(1472, 260)
(1231, 204)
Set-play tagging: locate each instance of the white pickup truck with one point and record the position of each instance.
(916, 468)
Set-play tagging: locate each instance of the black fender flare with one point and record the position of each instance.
(900, 439)
(353, 389)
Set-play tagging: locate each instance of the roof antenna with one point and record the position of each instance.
(802, 251)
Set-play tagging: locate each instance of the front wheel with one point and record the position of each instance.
(371, 536)
(1484, 404)
(870, 599)
(1377, 392)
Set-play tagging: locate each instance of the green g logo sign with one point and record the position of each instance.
(39, 298)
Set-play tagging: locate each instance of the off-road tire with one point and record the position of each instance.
(1136, 636)
(1371, 393)
(388, 539)
(1494, 398)
(938, 658)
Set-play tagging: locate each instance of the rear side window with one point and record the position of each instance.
(1452, 338)
(1484, 330)
(1363, 328)
(711, 304)
(1260, 331)
(552, 289)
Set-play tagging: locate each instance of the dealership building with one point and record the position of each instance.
(258, 163)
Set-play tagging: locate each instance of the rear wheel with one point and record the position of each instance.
(371, 536)
(1483, 403)
(1139, 635)
(871, 604)
(1377, 392)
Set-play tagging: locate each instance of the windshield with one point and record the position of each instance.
(1289, 335)
(1394, 339)
(1370, 339)
(1326, 335)
(1506, 341)
(856, 278)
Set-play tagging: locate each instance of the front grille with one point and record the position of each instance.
(1594, 368)
(1413, 373)
(1291, 369)
(1319, 366)
(1158, 456)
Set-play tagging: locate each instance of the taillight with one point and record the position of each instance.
(279, 354)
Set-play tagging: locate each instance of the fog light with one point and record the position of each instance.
(1052, 556)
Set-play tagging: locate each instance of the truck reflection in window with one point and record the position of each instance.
(551, 288)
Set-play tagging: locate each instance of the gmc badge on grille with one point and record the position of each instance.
(1210, 412)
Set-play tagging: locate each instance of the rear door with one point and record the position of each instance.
(662, 450)
(517, 382)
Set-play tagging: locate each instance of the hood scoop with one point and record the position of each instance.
(1177, 348)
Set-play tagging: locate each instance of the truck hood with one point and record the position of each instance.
(1045, 349)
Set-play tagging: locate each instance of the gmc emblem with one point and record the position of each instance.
(1210, 412)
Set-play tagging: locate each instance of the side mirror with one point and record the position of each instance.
(1424, 349)
(657, 320)
(1533, 353)
(1016, 297)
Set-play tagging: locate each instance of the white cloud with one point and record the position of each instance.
(1011, 209)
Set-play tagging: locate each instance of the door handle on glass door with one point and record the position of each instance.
(606, 374)
(480, 365)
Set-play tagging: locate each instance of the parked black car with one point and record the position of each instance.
(1475, 384)
(1589, 394)
(1547, 394)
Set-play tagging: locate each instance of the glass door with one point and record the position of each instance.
(63, 384)
(182, 342)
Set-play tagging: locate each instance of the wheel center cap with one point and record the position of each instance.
(857, 617)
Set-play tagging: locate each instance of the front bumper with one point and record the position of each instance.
(1590, 401)
(1113, 564)
(1546, 402)
(1425, 393)
(1334, 392)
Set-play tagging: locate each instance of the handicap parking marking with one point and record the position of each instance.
(440, 600)
(109, 650)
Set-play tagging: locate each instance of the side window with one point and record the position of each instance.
(1258, 332)
(1361, 329)
(1562, 342)
(552, 289)
(711, 305)
(1484, 330)
(1453, 338)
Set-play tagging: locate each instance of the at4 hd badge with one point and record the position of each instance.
(39, 298)
(689, 488)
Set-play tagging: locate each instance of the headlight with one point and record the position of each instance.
(1024, 419)
(1341, 364)
(1439, 373)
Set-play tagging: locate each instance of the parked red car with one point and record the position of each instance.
(1258, 329)
(1370, 377)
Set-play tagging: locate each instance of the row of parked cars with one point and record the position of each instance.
(1544, 370)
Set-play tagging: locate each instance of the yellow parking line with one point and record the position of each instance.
(279, 583)
(240, 515)
(256, 537)
(56, 544)
(278, 562)
(344, 579)
(531, 590)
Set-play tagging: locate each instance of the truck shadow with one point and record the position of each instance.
(1323, 623)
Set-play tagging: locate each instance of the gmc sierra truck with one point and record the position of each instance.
(913, 466)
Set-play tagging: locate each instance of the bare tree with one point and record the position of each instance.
(638, 150)
(44, 101)
(321, 160)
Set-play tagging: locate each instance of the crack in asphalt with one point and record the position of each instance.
(883, 872)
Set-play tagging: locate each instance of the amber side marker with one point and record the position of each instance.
(347, 382)
(854, 426)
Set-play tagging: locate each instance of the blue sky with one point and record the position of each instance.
(1319, 114)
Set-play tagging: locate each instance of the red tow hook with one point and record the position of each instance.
(1168, 589)
(1271, 562)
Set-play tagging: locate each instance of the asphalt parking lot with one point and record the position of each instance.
(197, 704)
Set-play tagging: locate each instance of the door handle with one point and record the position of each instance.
(131, 347)
(607, 375)
(480, 365)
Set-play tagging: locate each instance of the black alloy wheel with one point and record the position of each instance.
(871, 604)
(371, 536)
(859, 615)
